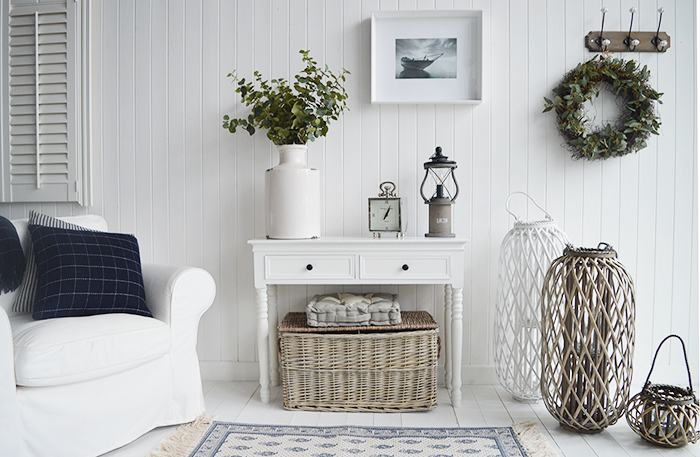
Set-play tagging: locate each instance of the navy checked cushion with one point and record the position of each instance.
(82, 273)
(24, 303)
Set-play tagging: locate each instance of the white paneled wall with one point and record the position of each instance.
(193, 193)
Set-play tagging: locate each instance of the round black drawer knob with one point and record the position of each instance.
(404, 267)
(309, 267)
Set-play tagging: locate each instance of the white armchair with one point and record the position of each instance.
(82, 386)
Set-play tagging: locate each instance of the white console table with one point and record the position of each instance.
(358, 261)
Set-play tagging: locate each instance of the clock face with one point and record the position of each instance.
(384, 214)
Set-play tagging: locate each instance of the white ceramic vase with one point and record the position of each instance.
(292, 196)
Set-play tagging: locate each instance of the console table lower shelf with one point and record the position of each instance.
(347, 261)
(390, 368)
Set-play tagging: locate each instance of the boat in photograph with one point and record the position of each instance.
(419, 64)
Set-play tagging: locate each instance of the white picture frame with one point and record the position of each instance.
(404, 68)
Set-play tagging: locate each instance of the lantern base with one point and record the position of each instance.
(440, 218)
(580, 430)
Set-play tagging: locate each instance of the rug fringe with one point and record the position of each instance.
(534, 443)
(181, 442)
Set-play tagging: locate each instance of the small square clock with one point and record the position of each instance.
(385, 214)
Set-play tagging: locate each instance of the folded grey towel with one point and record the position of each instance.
(347, 309)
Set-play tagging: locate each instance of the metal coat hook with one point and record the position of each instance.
(603, 42)
(659, 43)
(629, 41)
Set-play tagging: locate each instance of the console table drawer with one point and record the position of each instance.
(316, 267)
(422, 268)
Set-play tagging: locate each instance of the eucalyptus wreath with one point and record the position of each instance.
(636, 123)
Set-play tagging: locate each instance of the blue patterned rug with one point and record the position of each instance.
(226, 439)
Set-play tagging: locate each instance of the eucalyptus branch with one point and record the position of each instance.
(291, 114)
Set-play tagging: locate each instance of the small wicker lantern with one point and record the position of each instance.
(587, 338)
(527, 252)
(665, 415)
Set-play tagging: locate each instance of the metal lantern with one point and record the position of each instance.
(441, 201)
(527, 252)
(587, 338)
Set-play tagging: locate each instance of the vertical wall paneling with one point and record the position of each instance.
(225, 324)
(211, 151)
(646, 214)
(683, 181)
(663, 230)
(194, 122)
(194, 194)
(354, 204)
(141, 120)
(247, 196)
(490, 155)
(555, 65)
(159, 70)
(110, 112)
(126, 115)
(177, 118)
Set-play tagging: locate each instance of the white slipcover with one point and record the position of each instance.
(82, 386)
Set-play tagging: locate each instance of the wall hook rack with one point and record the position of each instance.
(601, 41)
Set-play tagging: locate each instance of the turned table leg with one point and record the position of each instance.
(263, 348)
(447, 343)
(456, 347)
(272, 332)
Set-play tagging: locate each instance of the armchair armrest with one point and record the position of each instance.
(10, 423)
(177, 295)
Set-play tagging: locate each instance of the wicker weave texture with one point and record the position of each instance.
(360, 372)
(661, 423)
(663, 414)
(588, 339)
(410, 320)
(527, 251)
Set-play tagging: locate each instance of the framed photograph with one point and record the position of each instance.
(426, 56)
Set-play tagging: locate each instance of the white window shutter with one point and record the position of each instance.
(44, 150)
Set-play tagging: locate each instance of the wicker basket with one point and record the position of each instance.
(383, 368)
(665, 415)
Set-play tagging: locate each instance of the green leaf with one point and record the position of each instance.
(292, 114)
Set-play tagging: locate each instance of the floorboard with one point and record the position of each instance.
(388, 420)
(482, 406)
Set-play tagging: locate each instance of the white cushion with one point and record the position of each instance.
(73, 349)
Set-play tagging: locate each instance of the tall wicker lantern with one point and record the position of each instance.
(526, 254)
(587, 338)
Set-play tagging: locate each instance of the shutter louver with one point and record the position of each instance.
(42, 149)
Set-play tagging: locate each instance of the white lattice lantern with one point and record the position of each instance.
(527, 252)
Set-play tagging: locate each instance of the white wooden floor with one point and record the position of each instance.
(481, 406)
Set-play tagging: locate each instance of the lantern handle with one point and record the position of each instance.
(454, 180)
(546, 214)
(425, 178)
(685, 355)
